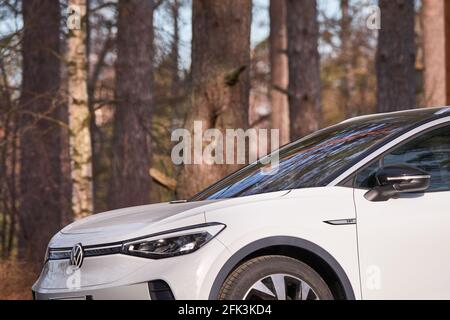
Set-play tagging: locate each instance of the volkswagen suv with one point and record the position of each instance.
(359, 210)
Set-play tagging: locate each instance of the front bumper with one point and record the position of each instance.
(138, 291)
(121, 276)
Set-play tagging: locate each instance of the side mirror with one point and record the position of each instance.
(397, 179)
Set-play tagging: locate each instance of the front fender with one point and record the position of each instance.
(281, 241)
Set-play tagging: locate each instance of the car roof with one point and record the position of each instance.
(420, 113)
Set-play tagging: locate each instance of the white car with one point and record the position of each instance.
(359, 210)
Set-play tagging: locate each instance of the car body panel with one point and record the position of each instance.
(138, 291)
(306, 211)
(403, 246)
(130, 223)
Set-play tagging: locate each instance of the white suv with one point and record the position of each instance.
(357, 210)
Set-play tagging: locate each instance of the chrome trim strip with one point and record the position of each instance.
(178, 201)
(341, 222)
(59, 250)
(408, 177)
(386, 147)
(443, 111)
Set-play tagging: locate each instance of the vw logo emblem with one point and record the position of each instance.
(77, 256)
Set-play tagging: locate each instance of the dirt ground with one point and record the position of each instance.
(16, 279)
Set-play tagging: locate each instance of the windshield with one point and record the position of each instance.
(311, 161)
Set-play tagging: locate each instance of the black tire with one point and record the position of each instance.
(239, 282)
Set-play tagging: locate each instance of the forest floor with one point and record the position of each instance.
(16, 279)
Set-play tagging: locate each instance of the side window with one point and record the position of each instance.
(366, 178)
(429, 152)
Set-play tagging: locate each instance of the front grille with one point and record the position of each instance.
(60, 254)
(160, 290)
(102, 251)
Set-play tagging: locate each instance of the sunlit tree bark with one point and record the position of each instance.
(80, 139)
(279, 69)
(433, 21)
(447, 47)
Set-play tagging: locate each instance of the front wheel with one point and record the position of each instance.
(274, 278)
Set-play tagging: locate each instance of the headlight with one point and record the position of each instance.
(173, 243)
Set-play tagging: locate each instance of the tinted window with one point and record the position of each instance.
(430, 152)
(310, 161)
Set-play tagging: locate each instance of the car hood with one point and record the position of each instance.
(129, 223)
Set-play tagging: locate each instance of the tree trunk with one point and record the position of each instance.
(279, 69)
(447, 47)
(41, 207)
(220, 75)
(396, 56)
(174, 54)
(347, 81)
(304, 68)
(80, 139)
(433, 16)
(130, 184)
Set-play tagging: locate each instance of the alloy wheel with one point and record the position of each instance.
(280, 287)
